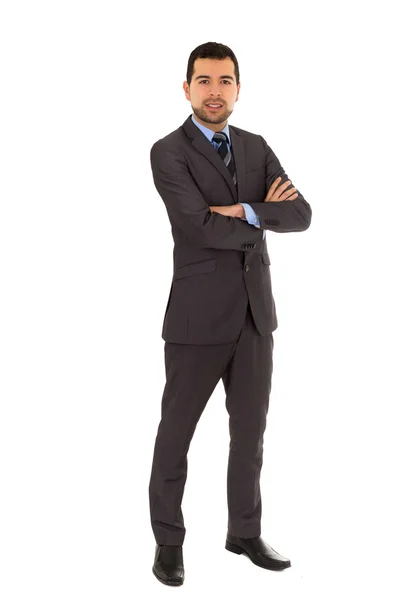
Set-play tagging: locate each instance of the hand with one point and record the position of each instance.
(274, 195)
(233, 210)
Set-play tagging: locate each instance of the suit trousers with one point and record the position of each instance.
(192, 373)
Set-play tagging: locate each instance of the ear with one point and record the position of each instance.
(186, 89)
(238, 91)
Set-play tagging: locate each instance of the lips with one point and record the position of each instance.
(214, 107)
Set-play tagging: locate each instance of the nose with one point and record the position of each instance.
(214, 91)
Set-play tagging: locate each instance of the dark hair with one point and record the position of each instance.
(211, 50)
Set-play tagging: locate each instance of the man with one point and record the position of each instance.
(223, 187)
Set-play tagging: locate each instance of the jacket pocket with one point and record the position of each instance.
(256, 170)
(198, 268)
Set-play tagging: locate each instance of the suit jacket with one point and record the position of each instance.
(220, 263)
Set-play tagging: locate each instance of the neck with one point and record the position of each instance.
(215, 127)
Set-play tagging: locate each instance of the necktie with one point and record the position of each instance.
(225, 153)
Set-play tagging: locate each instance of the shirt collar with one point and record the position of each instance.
(208, 132)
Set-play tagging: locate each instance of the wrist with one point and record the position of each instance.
(240, 211)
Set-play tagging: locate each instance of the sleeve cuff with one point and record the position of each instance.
(250, 214)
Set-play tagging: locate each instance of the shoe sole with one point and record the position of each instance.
(238, 550)
(169, 582)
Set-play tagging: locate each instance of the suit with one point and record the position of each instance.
(220, 263)
(219, 317)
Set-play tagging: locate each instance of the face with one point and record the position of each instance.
(213, 82)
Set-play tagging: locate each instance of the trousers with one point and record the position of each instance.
(192, 373)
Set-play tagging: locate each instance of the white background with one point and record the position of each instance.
(86, 267)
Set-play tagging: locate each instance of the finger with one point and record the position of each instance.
(281, 188)
(273, 187)
(293, 197)
(275, 184)
(288, 193)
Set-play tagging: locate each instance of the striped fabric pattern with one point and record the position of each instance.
(226, 154)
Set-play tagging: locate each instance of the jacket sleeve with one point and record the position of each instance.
(187, 208)
(284, 216)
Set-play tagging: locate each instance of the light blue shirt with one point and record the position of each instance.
(251, 215)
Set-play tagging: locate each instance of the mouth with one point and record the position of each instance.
(214, 106)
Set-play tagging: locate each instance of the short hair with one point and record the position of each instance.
(211, 50)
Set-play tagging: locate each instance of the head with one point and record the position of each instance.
(212, 77)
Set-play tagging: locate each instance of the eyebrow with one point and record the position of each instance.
(209, 77)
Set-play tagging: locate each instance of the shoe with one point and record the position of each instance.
(168, 565)
(258, 551)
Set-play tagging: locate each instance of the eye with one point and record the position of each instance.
(227, 81)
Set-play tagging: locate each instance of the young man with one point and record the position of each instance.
(223, 187)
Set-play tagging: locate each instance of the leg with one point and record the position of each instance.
(192, 373)
(247, 382)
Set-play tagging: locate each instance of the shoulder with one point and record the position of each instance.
(171, 140)
(172, 144)
(253, 139)
(169, 151)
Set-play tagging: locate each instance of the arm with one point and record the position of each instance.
(284, 216)
(188, 209)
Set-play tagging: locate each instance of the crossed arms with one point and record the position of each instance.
(224, 227)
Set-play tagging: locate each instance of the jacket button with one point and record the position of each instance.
(246, 268)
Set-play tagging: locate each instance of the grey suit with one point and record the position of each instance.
(219, 317)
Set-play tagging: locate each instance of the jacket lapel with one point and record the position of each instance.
(203, 145)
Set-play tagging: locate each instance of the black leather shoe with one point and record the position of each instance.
(258, 552)
(168, 565)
